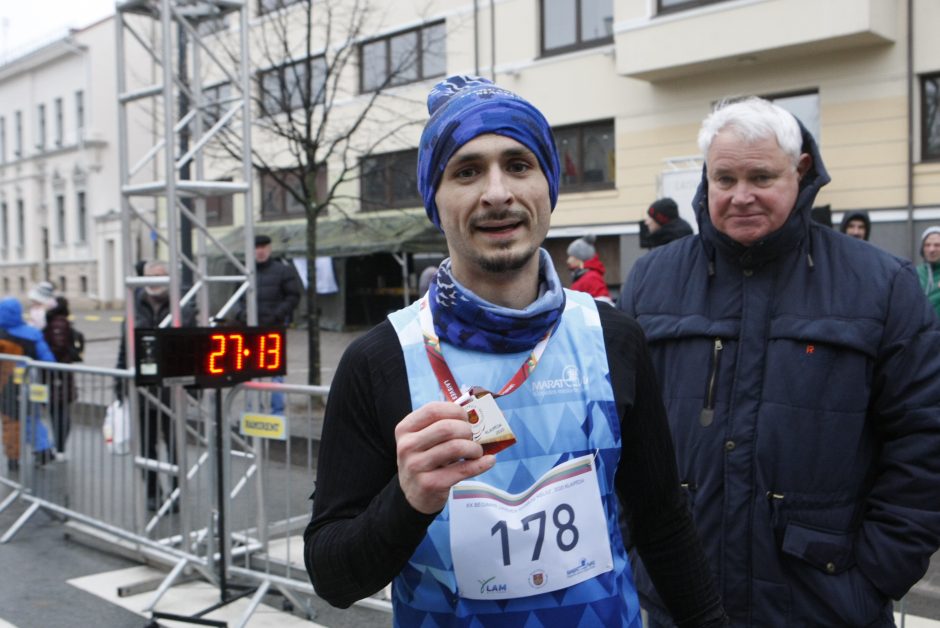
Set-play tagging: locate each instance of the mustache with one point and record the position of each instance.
(502, 215)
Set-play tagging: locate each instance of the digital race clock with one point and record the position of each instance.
(208, 357)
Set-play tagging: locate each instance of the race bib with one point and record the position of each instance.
(551, 536)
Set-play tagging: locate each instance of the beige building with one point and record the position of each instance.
(625, 84)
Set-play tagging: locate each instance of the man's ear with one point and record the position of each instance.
(804, 164)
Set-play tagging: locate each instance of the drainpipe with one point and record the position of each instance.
(476, 38)
(910, 129)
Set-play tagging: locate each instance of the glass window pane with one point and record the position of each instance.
(270, 197)
(558, 23)
(271, 92)
(372, 181)
(434, 41)
(569, 154)
(404, 178)
(295, 80)
(805, 107)
(597, 19)
(318, 85)
(931, 117)
(404, 51)
(599, 153)
(373, 65)
(294, 206)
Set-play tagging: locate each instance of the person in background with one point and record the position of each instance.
(13, 327)
(587, 269)
(61, 338)
(277, 292)
(804, 400)
(662, 224)
(424, 281)
(405, 492)
(41, 299)
(151, 307)
(929, 271)
(856, 224)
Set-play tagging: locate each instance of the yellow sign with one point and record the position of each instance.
(271, 426)
(39, 393)
(18, 372)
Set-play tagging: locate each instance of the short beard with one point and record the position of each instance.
(505, 263)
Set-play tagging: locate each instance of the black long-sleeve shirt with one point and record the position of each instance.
(363, 530)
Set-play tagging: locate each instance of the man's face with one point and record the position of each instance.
(932, 248)
(157, 292)
(856, 228)
(494, 207)
(651, 224)
(262, 253)
(752, 186)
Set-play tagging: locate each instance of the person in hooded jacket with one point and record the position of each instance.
(804, 401)
(13, 327)
(856, 224)
(60, 336)
(662, 224)
(587, 269)
(929, 271)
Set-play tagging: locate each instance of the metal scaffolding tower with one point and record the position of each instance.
(170, 168)
(170, 129)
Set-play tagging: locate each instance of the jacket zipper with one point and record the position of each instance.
(708, 412)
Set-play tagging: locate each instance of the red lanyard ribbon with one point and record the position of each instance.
(446, 379)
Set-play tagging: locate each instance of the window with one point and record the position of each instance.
(83, 281)
(20, 224)
(586, 153)
(286, 88)
(277, 203)
(267, 6)
(4, 228)
(215, 99)
(403, 57)
(390, 180)
(219, 209)
(60, 219)
(3, 140)
(572, 24)
(41, 127)
(804, 106)
(82, 218)
(18, 134)
(58, 121)
(669, 6)
(930, 116)
(80, 113)
(62, 285)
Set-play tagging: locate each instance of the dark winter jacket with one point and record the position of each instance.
(590, 279)
(672, 230)
(804, 402)
(278, 291)
(58, 335)
(857, 215)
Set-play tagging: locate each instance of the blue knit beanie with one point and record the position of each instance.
(464, 107)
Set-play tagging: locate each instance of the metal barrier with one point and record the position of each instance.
(161, 500)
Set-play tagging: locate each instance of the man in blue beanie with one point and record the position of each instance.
(478, 445)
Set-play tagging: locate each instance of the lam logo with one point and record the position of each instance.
(488, 586)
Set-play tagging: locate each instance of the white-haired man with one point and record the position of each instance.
(804, 401)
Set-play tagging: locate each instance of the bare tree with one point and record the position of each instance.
(313, 123)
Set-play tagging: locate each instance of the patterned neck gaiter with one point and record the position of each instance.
(463, 319)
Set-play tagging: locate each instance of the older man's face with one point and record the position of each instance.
(752, 186)
(932, 248)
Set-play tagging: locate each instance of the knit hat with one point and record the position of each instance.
(663, 210)
(43, 292)
(464, 107)
(583, 248)
(927, 232)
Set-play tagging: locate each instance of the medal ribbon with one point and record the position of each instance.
(445, 377)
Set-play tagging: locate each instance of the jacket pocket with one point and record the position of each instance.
(827, 587)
